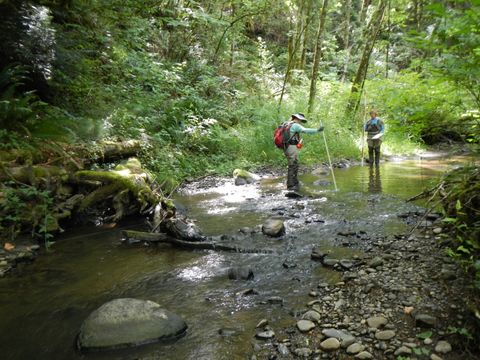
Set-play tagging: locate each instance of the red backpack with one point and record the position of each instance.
(281, 135)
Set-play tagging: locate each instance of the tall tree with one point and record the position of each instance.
(317, 56)
(373, 29)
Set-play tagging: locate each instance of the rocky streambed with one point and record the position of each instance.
(345, 278)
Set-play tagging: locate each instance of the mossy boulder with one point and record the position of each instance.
(243, 177)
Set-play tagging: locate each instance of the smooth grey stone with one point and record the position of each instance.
(443, 347)
(376, 322)
(305, 325)
(403, 350)
(273, 227)
(311, 315)
(128, 322)
(385, 335)
(265, 335)
(355, 348)
(364, 355)
(331, 344)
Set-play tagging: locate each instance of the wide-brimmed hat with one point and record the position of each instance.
(300, 117)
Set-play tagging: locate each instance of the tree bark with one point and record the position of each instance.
(374, 27)
(346, 38)
(317, 56)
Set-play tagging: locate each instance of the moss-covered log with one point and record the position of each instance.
(32, 175)
(81, 155)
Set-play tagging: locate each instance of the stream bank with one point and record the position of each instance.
(366, 219)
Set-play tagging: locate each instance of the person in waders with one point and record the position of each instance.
(375, 129)
(293, 146)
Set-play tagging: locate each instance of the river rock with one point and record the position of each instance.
(424, 320)
(265, 335)
(345, 338)
(273, 227)
(403, 350)
(443, 347)
(243, 177)
(364, 355)
(435, 357)
(311, 315)
(240, 273)
(283, 349)
(318, 254)
(376, 322)
(376, 262)
(305, 325)
(331, 344)
(355, 348)
(128, 322)
(303, 352)
(385, 335)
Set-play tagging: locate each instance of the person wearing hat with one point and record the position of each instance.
(293, 146)
(375, 129)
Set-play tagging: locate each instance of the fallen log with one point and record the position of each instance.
(139, 236)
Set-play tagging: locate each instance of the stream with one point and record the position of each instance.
(43, 305)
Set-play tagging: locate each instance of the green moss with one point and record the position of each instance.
(115, 181)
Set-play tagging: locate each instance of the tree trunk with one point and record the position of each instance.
(346, 39)
(317, 56)
(363, 11)
(308, 18)
(374, 27)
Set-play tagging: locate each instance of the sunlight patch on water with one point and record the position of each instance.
(204, 268)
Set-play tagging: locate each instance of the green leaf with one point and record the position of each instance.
(458, 205)
(425, 335)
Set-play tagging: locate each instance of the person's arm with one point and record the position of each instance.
(382, 126)
(297, 128)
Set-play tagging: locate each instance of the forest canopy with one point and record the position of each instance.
(206, 79)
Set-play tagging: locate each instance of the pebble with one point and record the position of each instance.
(424, 320)
(303, 352)
(428, 341)
(364, 355)
(283, 349)
(311, 315)
(376, 322)
(262, 323)
(403, 350)
(385, 335)
(355, 348)
(264, 335)
(305, 325)
(376, 262)
(331, 344)
(435, 357)
(443, 347)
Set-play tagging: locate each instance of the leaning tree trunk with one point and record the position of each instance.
(317, 57)
(374, 29)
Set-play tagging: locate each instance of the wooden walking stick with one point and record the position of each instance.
(363, 125)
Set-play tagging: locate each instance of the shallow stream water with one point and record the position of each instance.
(42, 307)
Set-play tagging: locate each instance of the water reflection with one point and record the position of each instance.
(374, 180)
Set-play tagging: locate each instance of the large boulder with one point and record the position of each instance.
(128, 322)
(273, 227)
(243, 177)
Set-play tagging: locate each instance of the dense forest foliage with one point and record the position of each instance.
(203, 83)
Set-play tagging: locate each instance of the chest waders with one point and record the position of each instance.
(373, 144)
(291, 153)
